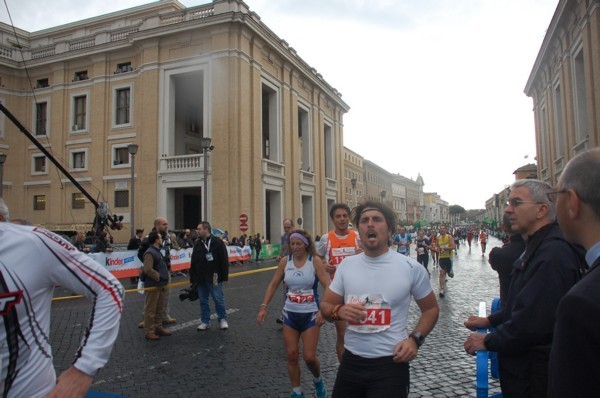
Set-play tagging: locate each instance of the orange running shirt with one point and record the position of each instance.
(338, 248)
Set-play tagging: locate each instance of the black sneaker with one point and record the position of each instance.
(279, 320)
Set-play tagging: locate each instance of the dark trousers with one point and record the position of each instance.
(423, 259)
(524, 376)
(360, 377)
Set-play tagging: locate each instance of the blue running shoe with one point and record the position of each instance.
(320, 390)
(294, 395)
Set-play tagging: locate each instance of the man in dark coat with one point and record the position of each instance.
(548, 268)
(136, 241)
(575, 356)
(502, 258)
(209, 270)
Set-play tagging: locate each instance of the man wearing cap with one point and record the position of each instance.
(372, 291)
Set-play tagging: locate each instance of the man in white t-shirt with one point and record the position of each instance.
(372, 292)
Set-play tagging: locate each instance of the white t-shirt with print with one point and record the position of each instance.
(385, 284)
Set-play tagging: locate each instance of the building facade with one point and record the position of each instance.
(565, 87)
(399, 201)
(435, 209)
(378, 183)
(494, 207)
(167, 77)
(527, 171)
(414, 197)
(354, 186)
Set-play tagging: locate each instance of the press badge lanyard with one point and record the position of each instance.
(209, 256)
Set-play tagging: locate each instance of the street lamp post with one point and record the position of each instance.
(353, 182)
(132, 148)
(2, 160)
(206, 148)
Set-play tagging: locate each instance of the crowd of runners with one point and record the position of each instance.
(441, 245)
(360, 312)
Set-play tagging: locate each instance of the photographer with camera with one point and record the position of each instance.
(190, 293)
(209, 270)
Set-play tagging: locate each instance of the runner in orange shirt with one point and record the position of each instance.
(483, 240)
(338, 243)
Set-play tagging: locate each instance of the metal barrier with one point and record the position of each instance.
(484, 356)
(494, 372)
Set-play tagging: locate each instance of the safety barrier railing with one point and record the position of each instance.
(486, 357)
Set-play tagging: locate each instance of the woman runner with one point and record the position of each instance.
(301, 270)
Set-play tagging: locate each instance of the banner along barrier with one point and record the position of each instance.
(175, 284)
(268, 251)
(126, 264)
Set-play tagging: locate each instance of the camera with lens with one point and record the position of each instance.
(190, 293)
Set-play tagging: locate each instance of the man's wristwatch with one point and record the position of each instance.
(418, 338)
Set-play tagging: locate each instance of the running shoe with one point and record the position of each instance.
(203, 326)
(451, 274)
(223, 324)
(442, 293)
(279, 320)
(294, 395)
(320, 390)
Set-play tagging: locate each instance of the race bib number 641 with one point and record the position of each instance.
(378, 313)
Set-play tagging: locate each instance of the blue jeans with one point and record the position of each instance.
(204, 289)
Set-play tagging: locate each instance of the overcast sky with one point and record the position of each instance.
(435, 86)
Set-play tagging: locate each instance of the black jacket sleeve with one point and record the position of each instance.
(223, 258)
(574, 361)
(198, 257)
(536, 292)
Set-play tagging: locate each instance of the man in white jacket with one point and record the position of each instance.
(32, 261)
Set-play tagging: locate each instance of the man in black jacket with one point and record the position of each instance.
(209, 270)
(575, 360)
(136, 241)
(502, 258)
(542, 275)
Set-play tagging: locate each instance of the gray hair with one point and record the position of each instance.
(538, 190)
(582, 175)
(4, 210)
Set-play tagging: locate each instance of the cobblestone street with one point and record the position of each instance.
(248, 360)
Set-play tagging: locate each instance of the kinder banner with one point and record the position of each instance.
(126, 264)
(237, 253)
